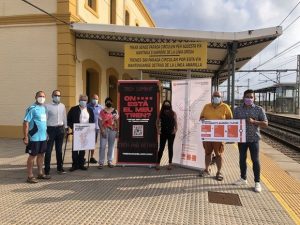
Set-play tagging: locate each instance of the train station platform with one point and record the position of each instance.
(294, 116)
(141, 195)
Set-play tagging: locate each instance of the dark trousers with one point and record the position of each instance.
(55, 135)
(163, 139)
(254, 152)
(78, 159)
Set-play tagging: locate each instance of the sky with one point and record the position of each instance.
(235, 16)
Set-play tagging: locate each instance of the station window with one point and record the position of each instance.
(127, 18)
(91, 5)
(113, 11)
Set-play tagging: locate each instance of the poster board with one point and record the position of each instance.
(138, 108)
(188, 100)
(83, 136)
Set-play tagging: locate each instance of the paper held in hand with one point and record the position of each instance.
(223, 130)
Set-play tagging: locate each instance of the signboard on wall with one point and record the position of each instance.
(138, 107)
(183, 55)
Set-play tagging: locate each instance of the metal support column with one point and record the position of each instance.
(217, 82)
(298, 87)
(228, 78)
(232, 56)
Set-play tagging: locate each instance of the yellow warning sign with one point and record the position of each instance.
(184, 55)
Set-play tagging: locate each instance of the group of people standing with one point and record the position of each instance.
(45, 125)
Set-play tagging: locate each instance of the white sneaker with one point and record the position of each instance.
(257, 187)
(240, 182)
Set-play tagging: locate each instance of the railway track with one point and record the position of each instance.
(284, 135)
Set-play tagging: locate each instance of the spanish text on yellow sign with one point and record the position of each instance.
(184, 55)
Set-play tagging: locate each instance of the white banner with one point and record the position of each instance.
(84, 136)
(223, 130)
(188, 100)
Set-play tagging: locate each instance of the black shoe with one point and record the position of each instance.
(62, 171)
(93, 160)
(72, 169)
(83, 168)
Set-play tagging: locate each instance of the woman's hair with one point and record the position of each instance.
(108, 99)
(163, 108)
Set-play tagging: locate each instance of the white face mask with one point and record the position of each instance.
(82, 103)
(216, 100)
(56, 99)
(41, 100)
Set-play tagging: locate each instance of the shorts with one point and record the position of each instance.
(216, 147)
(36, 147)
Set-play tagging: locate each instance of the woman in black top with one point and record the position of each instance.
(168, 127)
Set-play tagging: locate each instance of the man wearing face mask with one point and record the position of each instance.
(56, 125)
(255, 117)
(35, 136)
(96, 107)
(79, 114)
(216, 110)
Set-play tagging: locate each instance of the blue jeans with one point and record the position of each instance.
(254, 152)
(110, 136)
(56, 135)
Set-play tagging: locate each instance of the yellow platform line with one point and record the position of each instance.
(284, 188)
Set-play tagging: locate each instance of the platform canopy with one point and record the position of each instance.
(274, 87)
(220, 45)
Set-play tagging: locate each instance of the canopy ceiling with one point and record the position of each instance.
(248, 44)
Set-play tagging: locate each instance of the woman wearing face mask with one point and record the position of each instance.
(168, 128)
(108, 123)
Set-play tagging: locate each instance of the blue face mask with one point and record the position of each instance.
(94, 101)
(56, 99)
(82, 104)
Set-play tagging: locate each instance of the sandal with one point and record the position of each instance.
(169, 167)
(43, 177)
(219, 177)
(204, 173)
(31, 180)
(110, 165)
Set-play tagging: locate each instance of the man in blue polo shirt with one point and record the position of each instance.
(96, 107)
(35, 136)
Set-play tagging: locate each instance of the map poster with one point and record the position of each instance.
(138, 108)
(83, 136)
(223, 130)
(188, 100)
